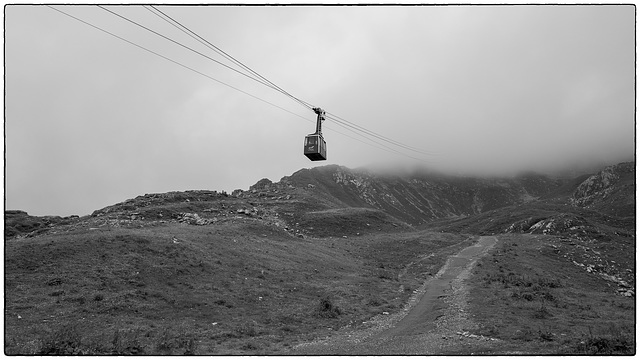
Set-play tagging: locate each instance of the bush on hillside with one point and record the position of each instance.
(327, 309)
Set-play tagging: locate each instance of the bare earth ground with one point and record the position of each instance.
(434, 321)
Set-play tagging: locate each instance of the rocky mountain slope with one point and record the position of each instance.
(358, 199)
(591, 223)
(420, 197)
(611, 191)
(260, 270)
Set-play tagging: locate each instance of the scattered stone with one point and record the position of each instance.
(237, 192)
(193, 219)
(626, 292)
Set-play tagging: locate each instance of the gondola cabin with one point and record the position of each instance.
(315, 148)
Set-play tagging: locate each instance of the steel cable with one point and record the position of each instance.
(359, 130)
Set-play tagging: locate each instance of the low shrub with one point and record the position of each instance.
(57, 293)
(545, 335)
(375, 301)
(542, 312)
(512, 279)
(66, 340)
(126, 343)
(248, 329)
(54, 282)
(327, 309)
(250, 345)
(175, 342)
(617, 341)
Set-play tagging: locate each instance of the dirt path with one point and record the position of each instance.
(434, 321)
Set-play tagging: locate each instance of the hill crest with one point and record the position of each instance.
(410, 199)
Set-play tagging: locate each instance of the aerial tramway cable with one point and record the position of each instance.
(176, 62)
(180, 44)
(205, 75)
(221, 52)
(356, 129)
(194, 70)
(343, 122)
(338, 119)
(262, 80)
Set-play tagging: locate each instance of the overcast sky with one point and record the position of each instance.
(91, 120)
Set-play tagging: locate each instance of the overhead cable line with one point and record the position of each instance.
(196, 71)
(175, 62)
(383, 146)
(376, 135)
(339, 121)
(304, 103)
(188, 31)
(184, 46)
(262, 79)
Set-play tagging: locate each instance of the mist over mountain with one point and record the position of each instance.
(420, 196)
(479, 196)
(410, 196)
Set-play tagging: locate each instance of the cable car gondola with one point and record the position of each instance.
(315, 148)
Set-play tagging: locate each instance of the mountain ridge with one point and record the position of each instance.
(412, 199)
(323, 252)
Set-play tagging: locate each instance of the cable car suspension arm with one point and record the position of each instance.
(321, 118)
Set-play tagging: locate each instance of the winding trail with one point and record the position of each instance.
(434, 321)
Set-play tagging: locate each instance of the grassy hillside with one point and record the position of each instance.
(568, 220)
(234, 288)
(531, 292)
(258, 271)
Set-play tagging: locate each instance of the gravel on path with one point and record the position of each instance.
(434, 321)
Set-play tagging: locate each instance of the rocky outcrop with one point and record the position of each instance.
(20, 223)
(565, 224)
(263, 184)
(610, 191)
(193, 219)
(596, 186)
